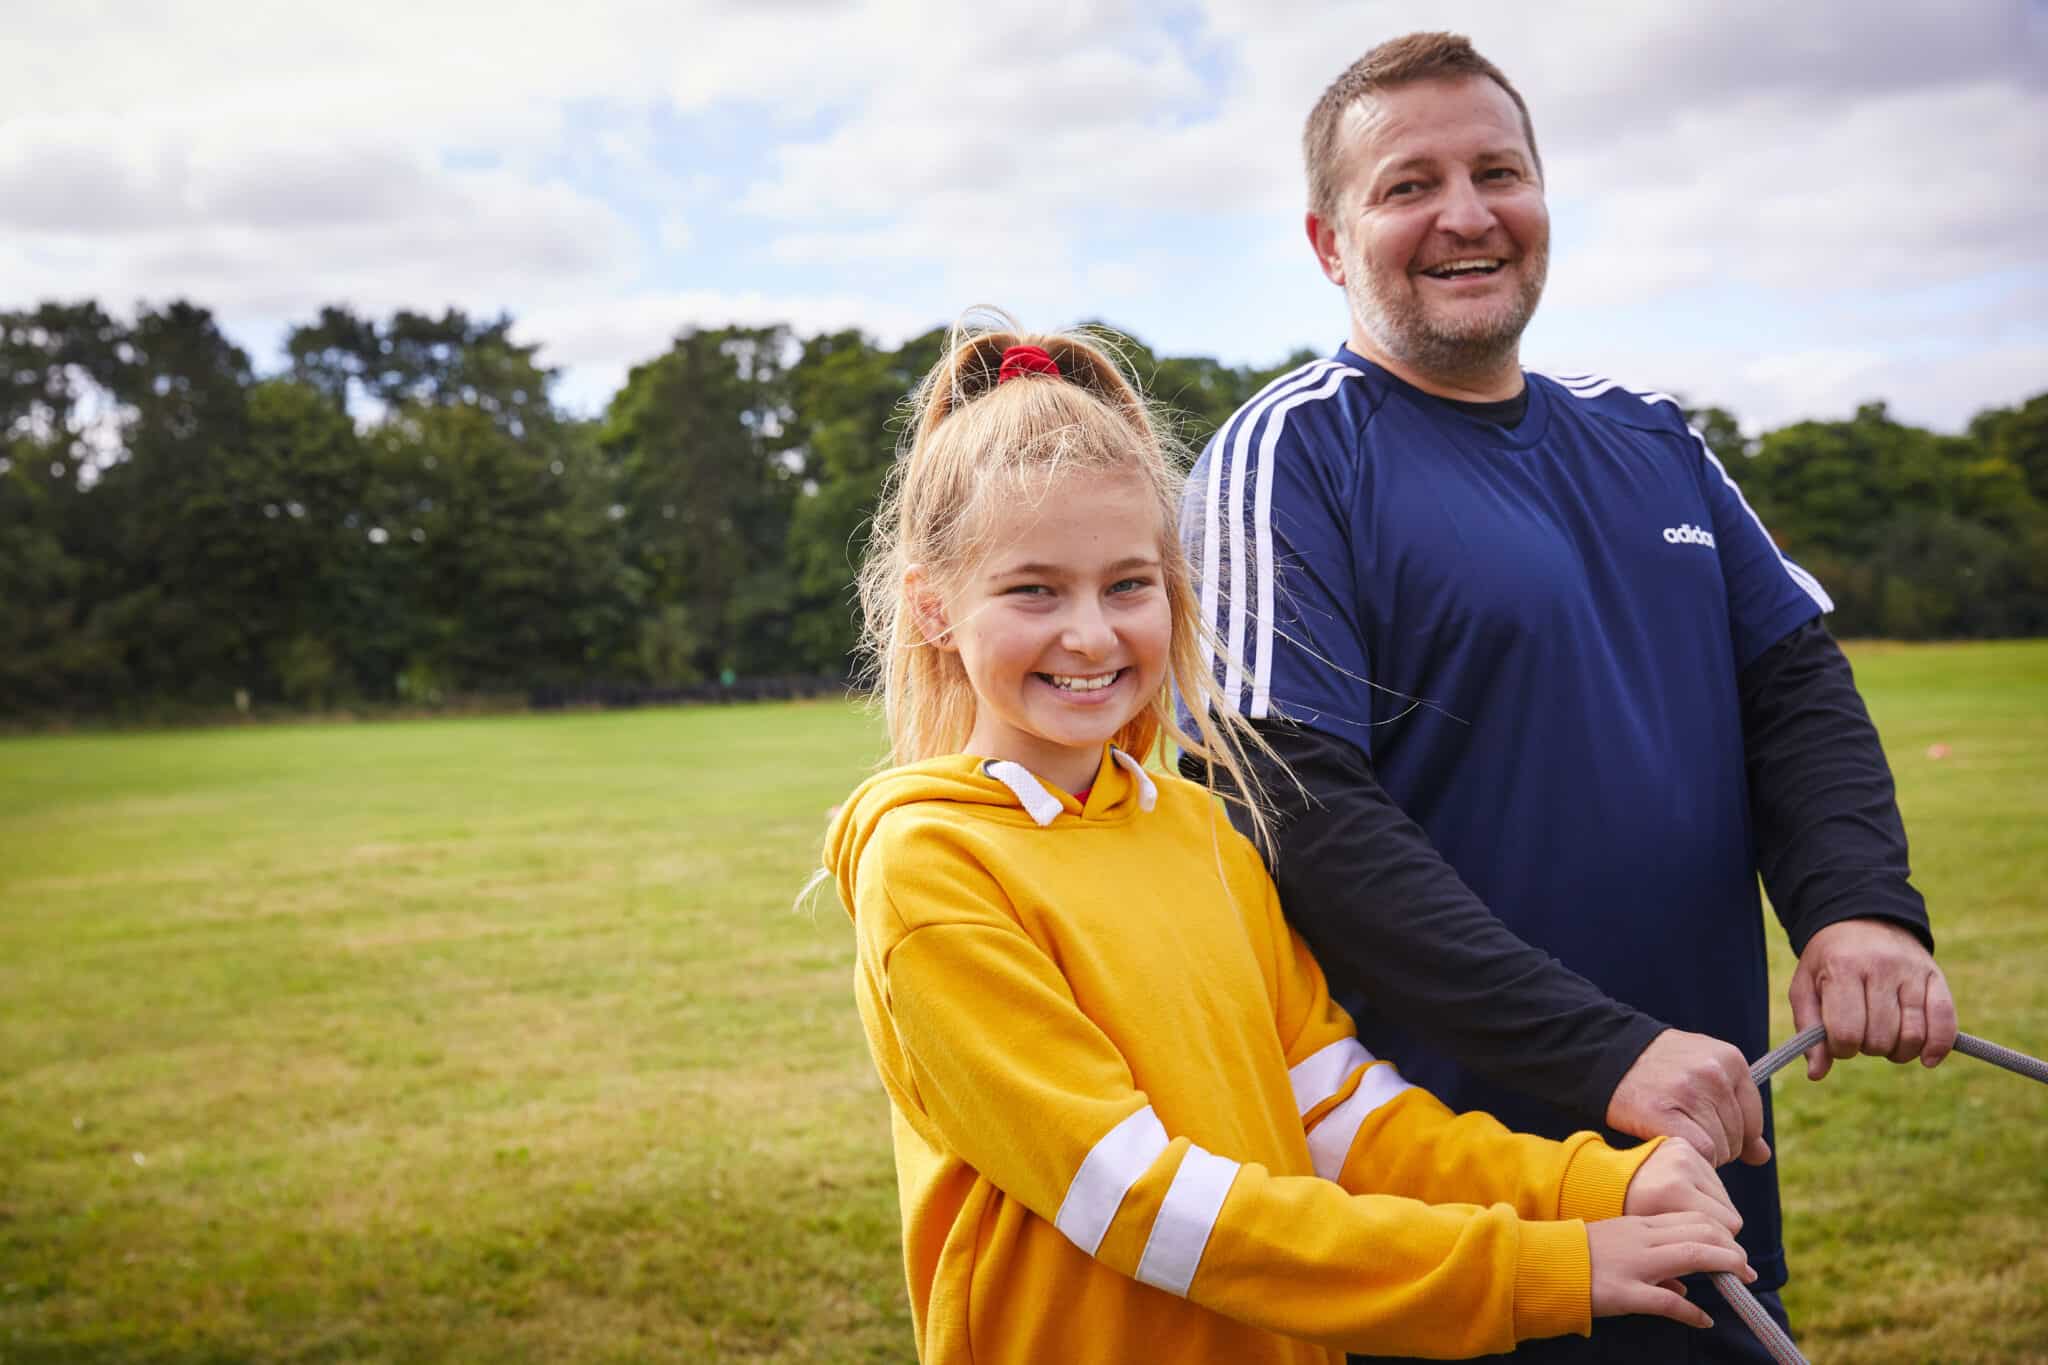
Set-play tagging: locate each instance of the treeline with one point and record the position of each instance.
(1915, 535)
(403, 513)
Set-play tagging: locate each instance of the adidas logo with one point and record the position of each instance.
(1688, 534)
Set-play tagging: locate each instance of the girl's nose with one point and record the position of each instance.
(1088, 632)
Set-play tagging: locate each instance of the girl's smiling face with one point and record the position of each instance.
(1063, 628)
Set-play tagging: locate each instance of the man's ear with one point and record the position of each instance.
(927, 608)
(1322, 239)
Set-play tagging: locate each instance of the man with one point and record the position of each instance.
(1552, 692)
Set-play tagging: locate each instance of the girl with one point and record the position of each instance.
(1129, 1122)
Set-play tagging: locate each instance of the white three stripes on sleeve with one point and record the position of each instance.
(1251, 582)
(1322, 1075)
(1186, 1217)
(1180, 1231)
(1262, 681)
(1232, 443)
(1282, 401)
(1107, 1173)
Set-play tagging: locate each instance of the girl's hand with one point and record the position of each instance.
(1676, 1179)
(1637, 1262)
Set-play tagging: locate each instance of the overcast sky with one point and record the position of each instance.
(1785, 208)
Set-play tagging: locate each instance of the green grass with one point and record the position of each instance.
(498, 1039)
(490, 1040)
(1916, 1201)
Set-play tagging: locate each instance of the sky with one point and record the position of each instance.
(1785, 209)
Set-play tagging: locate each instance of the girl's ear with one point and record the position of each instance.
(928, 608)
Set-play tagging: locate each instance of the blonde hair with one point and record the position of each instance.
(973, 449)
(1396, 62)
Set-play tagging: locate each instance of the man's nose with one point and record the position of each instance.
(1463, 211)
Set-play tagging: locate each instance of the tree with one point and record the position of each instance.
(2018, 435)
(1203, 393)
(697, 439)
(160, 536)
(449, 361)
(57, 419)
(291, 548)
(1915, 534)
(848, 406)
(1722, 433)
(488, 553)
(404, 511)
(500, 554)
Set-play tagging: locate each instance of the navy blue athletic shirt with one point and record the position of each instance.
(1534, 633)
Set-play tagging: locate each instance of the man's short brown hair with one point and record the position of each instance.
(1398, 61)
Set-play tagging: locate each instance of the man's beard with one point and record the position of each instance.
(1437, 346)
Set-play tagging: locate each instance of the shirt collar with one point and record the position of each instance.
(1042, 806)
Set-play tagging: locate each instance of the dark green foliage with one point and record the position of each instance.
(849, 410)
(1916, 535)
(403, 513)
(696, 440)
(2019, 436)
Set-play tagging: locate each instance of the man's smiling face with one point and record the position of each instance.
(1440, 236)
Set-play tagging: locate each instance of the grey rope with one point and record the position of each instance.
(1739, 1298)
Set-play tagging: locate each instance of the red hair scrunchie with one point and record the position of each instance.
(1021, 360)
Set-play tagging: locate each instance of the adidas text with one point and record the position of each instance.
(1688, 534)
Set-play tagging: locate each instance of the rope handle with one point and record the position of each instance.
(1735, 1291)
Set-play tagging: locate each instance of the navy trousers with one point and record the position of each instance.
(1652, 1341)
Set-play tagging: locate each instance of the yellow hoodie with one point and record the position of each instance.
(1130, 1123)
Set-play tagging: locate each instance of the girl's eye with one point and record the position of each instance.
(1130, 584)
(1027, 590)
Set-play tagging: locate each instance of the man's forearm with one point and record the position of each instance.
(1830, 842)
(1389, 919)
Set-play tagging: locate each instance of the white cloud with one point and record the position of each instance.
(999, 109)
(266, 229)
(1768, 388)
(1894, 192)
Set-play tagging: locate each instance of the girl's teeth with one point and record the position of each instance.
(1081, 684)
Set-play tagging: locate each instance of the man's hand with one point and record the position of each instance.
(1676, 1179)
(1878, 991)
(1636, 1263)
(1696, 1089)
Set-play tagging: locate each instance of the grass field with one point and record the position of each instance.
(498, 1039)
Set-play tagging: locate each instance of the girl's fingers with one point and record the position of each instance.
(1661, 1302)
(1693, 1256)
(1717, 1194)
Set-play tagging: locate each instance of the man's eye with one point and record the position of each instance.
(1500, 173)
(1402, 188)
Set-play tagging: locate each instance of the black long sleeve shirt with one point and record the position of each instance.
(1389, 919)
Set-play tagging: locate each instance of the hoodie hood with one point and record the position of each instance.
(997, 789)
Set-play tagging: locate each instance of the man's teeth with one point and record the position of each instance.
(1449, 268)
(1094, 684)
